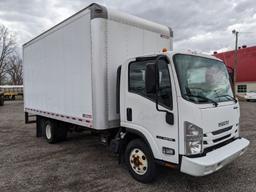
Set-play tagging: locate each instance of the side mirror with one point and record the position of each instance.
(150, 79)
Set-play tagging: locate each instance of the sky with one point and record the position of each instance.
(199, 25)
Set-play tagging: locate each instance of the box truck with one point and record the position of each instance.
(117, 74)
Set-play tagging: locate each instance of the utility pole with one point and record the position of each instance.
(235, 61)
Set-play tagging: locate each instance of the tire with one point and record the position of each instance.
(50, 131)
(140, 161)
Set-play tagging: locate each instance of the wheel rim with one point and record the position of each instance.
(48, 131)
(138, 161)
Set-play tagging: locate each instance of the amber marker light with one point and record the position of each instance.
(164, 50)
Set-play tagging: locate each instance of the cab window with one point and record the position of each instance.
(137, 71)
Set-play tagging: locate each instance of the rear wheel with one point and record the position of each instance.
(50, 131)
(140, 161)
(55, 131)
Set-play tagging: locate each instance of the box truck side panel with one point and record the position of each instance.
(57, 69)
(128, 41)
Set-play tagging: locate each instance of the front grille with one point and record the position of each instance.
(222, 130)
(219, 145)
(220, 139)
(213, 138)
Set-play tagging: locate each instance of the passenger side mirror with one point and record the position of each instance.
(150, 79)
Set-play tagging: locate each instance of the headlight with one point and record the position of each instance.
(193, 139)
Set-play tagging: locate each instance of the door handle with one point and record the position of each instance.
(129, 114)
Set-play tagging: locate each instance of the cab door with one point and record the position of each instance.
(141, 114)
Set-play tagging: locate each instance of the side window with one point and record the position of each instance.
(137, 77)
(137, 82)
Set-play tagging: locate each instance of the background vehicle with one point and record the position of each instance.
(160, 108)
(250, 96)
(12, 91)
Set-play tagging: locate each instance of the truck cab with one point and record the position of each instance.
(182, 106)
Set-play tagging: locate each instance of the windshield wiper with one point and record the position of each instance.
(228, 96)
(205, 98)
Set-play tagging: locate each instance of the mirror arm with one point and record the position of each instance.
(169, 116)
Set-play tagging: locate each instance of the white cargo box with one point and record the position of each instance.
(70, 70)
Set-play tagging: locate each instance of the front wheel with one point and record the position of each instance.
(140, 161)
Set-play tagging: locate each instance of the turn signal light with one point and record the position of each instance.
(168, 151)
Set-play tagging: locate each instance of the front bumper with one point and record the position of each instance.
(214, 160)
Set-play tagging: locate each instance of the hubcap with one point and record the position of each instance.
(138, 161)
(48, 131)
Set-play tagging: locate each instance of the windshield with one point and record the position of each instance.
(202, 80)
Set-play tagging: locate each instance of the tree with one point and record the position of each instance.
(7, 48)
(15, 70)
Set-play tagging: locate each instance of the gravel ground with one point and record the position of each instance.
(81, 163)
